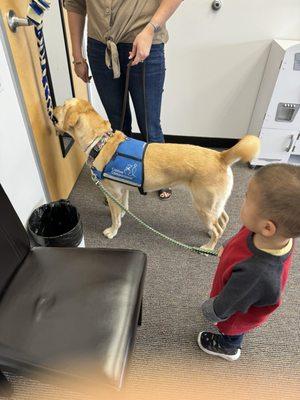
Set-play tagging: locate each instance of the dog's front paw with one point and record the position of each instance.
(110, 232)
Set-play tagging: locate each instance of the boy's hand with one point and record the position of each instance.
(220, 252)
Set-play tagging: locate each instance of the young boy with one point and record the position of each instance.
(254, 265)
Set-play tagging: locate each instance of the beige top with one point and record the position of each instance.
(117, 21)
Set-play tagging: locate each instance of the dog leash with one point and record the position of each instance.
(194, 249)
(126, 98)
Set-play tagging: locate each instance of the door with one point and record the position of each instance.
(60, 173)
(19, 169)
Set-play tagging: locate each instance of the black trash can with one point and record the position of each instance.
(56, 224)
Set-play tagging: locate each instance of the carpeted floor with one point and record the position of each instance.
(177, 282)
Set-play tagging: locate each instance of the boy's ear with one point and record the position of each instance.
(70, 120)
(269, 229)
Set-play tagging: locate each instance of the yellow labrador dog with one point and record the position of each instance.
(205, 173)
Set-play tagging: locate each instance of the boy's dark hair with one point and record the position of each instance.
(279, 185)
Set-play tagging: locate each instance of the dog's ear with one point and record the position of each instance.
(71, 119)
(106, 126)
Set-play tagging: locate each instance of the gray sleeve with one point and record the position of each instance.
(243, 289)
(209, 311)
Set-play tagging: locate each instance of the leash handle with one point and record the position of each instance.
(126, 98)
(145, 101)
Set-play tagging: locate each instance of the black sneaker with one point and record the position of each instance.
(210, 343)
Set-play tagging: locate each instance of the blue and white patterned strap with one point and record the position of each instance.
(35, 14)
(36, 10)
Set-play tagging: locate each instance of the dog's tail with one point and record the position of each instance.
(245, 150)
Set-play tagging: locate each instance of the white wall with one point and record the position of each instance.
(19, 173)
(215, 62)
(56, 52)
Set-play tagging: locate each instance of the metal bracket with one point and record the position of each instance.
(14, 22)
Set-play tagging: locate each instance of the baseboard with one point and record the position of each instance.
(221, 143)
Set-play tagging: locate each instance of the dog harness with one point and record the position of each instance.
(126, 165)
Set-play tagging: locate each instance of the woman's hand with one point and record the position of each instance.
(142, 45)
(82, 70)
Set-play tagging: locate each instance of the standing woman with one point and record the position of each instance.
(120, 31)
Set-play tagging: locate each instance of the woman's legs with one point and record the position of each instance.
(154, 69)
(111, 91)
(146, 88)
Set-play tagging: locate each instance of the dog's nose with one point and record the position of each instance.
(56, 110)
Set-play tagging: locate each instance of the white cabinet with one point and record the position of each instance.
(295, 153)
(276, 116)
(276, 146)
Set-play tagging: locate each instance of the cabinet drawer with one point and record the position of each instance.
(296, 147)
(276, 146)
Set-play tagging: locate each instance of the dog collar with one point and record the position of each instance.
(98, 147)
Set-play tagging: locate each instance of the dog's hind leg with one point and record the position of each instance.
(223, 220)
(216, 222)
(212, 224)
(210, 211)
(223, 217)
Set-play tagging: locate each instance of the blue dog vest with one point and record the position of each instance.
(126, 165)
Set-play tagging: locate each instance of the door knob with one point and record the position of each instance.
(14, 22)
(216, 5)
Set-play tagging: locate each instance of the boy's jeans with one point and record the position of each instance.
(111, 91)
(231, 342)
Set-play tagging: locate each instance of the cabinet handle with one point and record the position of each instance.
(288, 148)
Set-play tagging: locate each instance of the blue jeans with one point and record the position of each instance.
(111, 91)
(232, 341)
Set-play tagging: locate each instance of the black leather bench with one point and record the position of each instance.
(60, 307)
